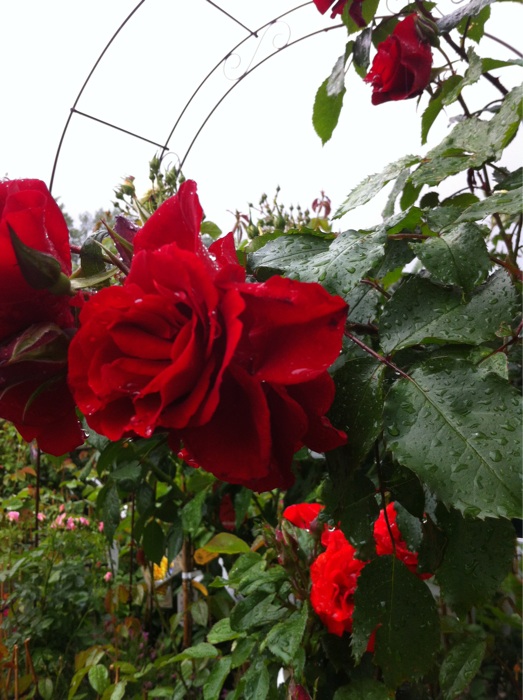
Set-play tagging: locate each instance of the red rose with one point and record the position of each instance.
(35, 325)
(302, 515)
(401, 68)
(237, 371)
(337, 9)
(334, 578)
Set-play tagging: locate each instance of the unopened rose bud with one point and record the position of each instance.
(39, 270)
(427, 30)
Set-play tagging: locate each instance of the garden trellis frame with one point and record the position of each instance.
(258, 35)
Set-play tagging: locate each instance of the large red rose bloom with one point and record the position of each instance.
(234, 370)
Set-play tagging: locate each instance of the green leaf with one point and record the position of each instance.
(108, 505)
(153, 542)
(284, 638)
(390, 596)
(211, 229)
(203, 650)
(45, 688)
(192, 513)
(362, 689)
(422, 312)
(457, 428)
(362, 52)
(326, 112)
(457, 257)
(360, 377)
(286, 254)
(257, 680)
(473, 8)
(460, 665)
(472, 143)
(368, 11)
(366, 190)
(472, 75)
(115, 691)
(130, 473)
(226, 543)
(477, 557)
(221, 631)
(475, 26)
(435, 105)
(256, 610)
(214, 683)
(498, 203)
(99, 678)
(350, 500)
(339, 267)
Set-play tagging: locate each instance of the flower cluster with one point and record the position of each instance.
(235, 371)
(334, 573)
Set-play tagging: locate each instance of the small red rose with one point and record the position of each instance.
(337, 9)
(402, 65)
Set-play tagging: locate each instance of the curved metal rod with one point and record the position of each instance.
(292, 43)
(263, 26)
(73, 108)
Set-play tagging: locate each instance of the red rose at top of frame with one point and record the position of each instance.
(337, 9)
(234, 370)
(401, 67)
(35, 325)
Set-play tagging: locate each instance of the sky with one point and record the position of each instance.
(260, 134)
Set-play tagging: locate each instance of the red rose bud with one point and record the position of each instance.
(123, 236)
(298, 692)
(39, 270)
(44, 342)
(427, 29)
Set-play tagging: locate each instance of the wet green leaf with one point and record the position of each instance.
(477, 557)
(214, 683)
(457, 428)
(422, 312)
(390, 596)
(326, 112)
(366, 190)
(284, 638)
(457, 257)
(460, 665)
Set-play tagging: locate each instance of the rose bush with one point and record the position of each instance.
(235, 370)
(402, 65)
(35, 324)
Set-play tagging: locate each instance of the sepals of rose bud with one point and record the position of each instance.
(41, 342)
(39, 270)
(427, 30)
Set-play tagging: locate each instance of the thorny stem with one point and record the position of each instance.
(37, 494)
(379, 288)
(187, 567)
(514, 271)
(504, 43)
(462, 54)
(377, 356)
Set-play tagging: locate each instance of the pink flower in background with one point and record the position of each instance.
(108, 577)
(41, 517)
(13, 516)
(101, 526)
(70, 524)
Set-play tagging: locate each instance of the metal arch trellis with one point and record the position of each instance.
(164, 147)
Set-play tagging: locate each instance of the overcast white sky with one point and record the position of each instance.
(260, 136)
